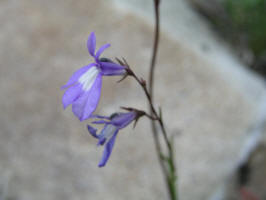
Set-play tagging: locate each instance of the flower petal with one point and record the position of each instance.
(100, 117)
(102, 135)
(111, 65)
(92, 131)
(106, 133)
(102, 48)
(74, 78)
(88, 78)
(108, 150)
(91, 44)
(101, 141)
(86, 104)
(71, 94)
(112, 69)
(123, 119)
(101, 122)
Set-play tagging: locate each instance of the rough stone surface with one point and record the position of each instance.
(46, 153)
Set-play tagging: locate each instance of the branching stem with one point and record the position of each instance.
(170, 172)
(167, 162)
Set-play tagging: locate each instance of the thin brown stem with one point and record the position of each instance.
(167, 163)
(155, 46)
(154, 114)
(149, 93)
(170, 174)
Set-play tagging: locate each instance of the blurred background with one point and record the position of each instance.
(210, 82)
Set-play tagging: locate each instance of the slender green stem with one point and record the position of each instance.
(153, 115)
(170, 172)
(167, 163)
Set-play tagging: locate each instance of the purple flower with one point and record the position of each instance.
(84, 86)
(108, 134)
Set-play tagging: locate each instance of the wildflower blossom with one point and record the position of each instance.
(84, 86)
(108, 134)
